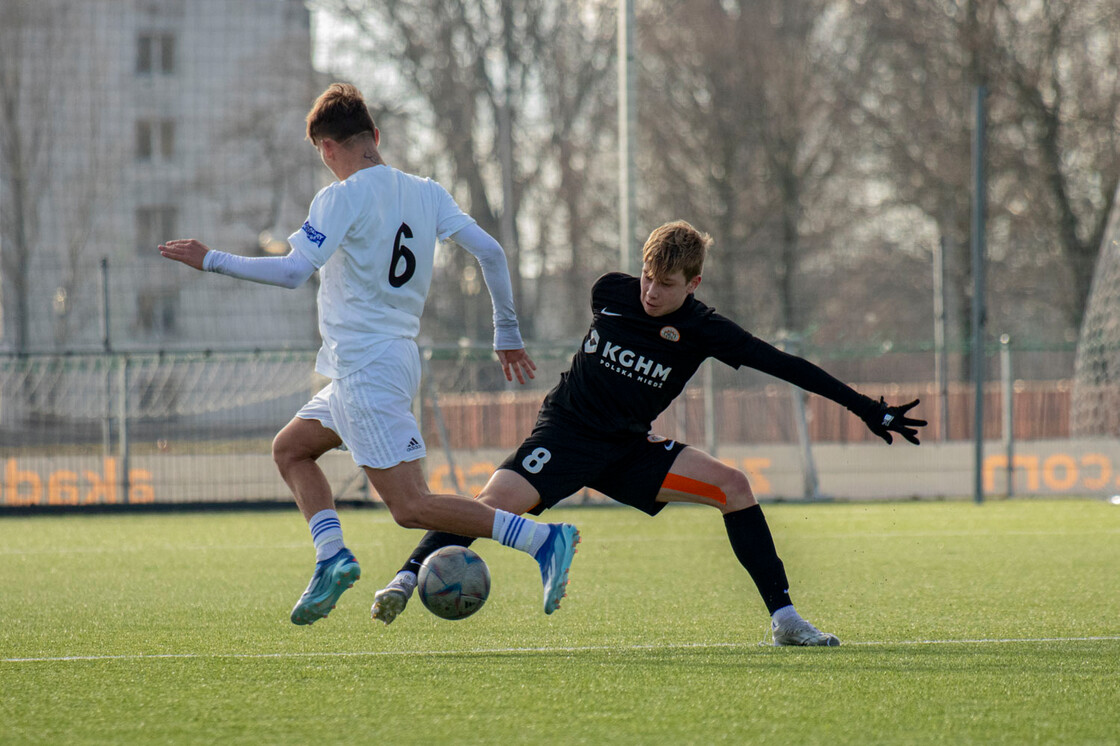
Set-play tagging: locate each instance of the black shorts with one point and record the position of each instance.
(560, 461)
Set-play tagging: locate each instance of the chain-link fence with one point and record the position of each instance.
(188, 427)
(125, 378)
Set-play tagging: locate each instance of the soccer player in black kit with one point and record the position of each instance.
(648, 336)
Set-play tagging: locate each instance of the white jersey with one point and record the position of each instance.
(373, 239)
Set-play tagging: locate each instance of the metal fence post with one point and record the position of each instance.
(122, 428)
(711, 432)
(437, 413)
(979, 315)
(811, 488)
(940, 353)
(1007, 381)
(106, 347)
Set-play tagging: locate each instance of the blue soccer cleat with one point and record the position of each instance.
(331, 579)
(555, 557)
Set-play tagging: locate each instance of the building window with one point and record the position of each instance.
(167, 139)
(154, 225)
(155, 53)
(156, 310)
(155, 139)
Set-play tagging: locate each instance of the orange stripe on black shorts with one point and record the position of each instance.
(694, 487)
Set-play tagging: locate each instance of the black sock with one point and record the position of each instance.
(432, 541)
(754, 547)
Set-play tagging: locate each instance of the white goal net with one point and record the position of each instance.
(1095, 408)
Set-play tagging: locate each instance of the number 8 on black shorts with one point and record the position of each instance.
(559, 461)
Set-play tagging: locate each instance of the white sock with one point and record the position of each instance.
(520, 533)
(326, 532)
(405, 579)
(785, 614)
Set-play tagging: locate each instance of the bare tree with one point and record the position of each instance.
(1059, 61)
(574, 204)
(465, 67)
(918, 118)
(1050, 69)
(508, 104)
(696, 160)
(747, 134)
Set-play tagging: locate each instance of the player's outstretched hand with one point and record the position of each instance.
(884, 420)
(186, 250)
(517, 363)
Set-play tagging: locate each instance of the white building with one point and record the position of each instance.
(129, 122)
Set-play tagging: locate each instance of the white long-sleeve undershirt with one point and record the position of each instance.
(292, 270)
(288, 271)
(495, 272)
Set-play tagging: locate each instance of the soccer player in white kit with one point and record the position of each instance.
(372, 237)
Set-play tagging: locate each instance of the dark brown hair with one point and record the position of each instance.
(339, 113)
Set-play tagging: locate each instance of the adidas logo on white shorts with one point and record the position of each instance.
(413, 445)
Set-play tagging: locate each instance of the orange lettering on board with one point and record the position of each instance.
(62, 488)
(999, 461)
(478, 469)
(437, 477)
(15, 480)
(140, 486)
(102, 489)
(1104, 477)
(1059, 472)
(760, 485)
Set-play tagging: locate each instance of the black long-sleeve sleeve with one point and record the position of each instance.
(800, 372)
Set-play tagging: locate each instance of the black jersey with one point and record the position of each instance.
(631, 366)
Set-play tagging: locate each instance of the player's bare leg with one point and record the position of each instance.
(405, 492)
(697, 477)
(506, 491)
(296, 451)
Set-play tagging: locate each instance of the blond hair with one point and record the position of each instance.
(675, 246)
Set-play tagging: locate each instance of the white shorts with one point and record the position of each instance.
(371, 409)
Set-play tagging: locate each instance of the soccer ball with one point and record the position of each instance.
(453, 582)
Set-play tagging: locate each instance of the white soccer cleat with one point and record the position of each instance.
(390, 601)
(801, 632)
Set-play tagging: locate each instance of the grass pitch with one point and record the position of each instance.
(960, 624)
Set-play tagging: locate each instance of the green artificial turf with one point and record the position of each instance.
(960, 623)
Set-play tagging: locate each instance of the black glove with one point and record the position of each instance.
(883, 420)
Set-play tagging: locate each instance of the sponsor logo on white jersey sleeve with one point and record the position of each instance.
(313, 235)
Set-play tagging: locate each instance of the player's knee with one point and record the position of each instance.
(289, 450)
(408, 513)
(283, 453)
(737, 489)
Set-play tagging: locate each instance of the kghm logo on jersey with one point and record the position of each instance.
(670, 333)
(313, 235)
(591, 343)
(626, 362)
